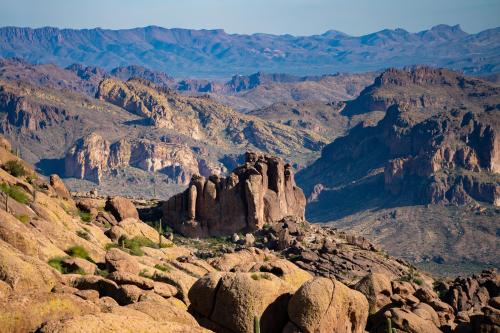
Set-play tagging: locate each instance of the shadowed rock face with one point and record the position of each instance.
(259, 192)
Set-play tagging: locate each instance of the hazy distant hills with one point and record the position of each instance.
(215, 53)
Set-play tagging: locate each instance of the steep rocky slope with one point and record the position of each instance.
(150, 131)
(437, 144)
(90, 265)
(215, 53)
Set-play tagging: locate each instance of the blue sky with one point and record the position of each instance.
(298, 17)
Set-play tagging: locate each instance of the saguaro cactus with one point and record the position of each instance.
(256, 324)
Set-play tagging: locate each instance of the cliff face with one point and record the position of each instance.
(92, 156)
(437, 143)
(259, 192)
(24, 111)
(405, 180)
(455, 154)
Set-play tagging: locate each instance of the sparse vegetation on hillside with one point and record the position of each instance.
(79, 252)
(15, 192)
(15, 168)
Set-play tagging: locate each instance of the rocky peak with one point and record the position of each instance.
(261, 191)
(162, 110)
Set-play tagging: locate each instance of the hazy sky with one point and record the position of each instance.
(298, 17)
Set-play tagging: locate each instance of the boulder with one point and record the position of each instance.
(150, 317)
(104, 286)
(131, 228)
(409, 322)
(233, 300)
(377, 289)
(26, 312)
(25, 273)
(121, 277)
(164, 289)
(59, 187)
(117, 260)
(79, 265)
(325, 305)
(121, 208)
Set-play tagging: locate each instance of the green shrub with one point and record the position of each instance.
(15, 192)
(85, 216)
(25, 219)
(110, 246)
(56, 262)
(79, 252)
(15, 168)
(83, 234)
(144, 273)
(257, 276)
(102, 272)
(134, 245)
(163, 268)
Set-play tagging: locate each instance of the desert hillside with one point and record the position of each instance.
(90, 264)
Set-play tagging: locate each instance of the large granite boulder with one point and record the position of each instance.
(326, 305)
(233, 300)
(121, 208)
(261, 191)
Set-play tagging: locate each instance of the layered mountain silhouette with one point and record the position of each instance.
(215, 53)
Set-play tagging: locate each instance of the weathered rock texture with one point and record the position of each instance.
(92, 156)
(259, 192)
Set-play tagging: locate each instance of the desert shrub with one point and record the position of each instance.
(144, 273)
(110, 246)
(15, 168)
(85, 216)
(25, 219)
(163, 268)
(15, 192)
(134, 244)
(412, 276)
(79, 252)
(83, 234)
(258, 276)
(102, 272)
(56, 262)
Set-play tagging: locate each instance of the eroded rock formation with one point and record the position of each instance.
(92, 155)
(261, 191)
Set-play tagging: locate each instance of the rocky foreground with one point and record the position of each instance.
(91, 265)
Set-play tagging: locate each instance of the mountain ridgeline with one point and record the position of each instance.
(215, 53)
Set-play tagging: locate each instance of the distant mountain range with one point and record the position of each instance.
(217, 54)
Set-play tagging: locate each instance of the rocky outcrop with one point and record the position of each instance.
(472, 293)
(121, 208)
(92, 156)
(59, 187)
(24, 111)
(455, 154)
(138, 97)
(259, 192)
(88, 158)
